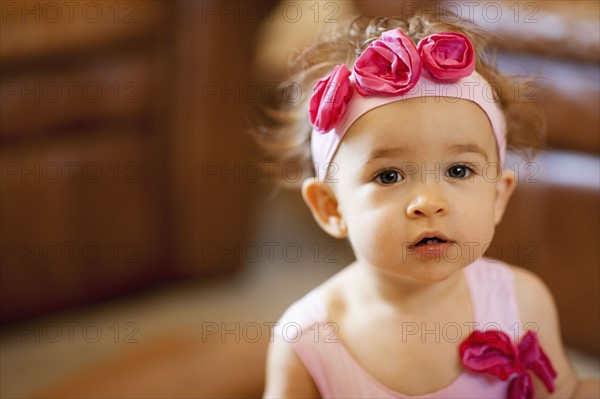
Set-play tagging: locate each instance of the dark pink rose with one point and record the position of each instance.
(390, 65)
(329, 99)
(447, 55)
(521, 387)
(490, 352)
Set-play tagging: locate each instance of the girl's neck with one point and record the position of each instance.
(405, 295)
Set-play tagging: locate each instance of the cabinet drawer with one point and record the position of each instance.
(79, 221)
(49, 29)
(108, 91)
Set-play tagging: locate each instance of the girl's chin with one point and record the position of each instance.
(424, 272)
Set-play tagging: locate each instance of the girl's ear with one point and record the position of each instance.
(504, 189)
(322, 202)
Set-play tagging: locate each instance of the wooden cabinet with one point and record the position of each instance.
(104, 135)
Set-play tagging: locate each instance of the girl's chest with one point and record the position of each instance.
(409, 355)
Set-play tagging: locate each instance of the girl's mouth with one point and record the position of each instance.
(430, 241)
(431, 246)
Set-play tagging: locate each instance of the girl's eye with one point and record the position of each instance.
(459, 172)
(389, 177)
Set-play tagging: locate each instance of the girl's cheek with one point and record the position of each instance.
(371, 232)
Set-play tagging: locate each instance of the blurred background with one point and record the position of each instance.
(144, 252)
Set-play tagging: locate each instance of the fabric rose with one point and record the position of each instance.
(390, 65)
(493, 352)
(328, 102)
(447, 55)
(490, 352)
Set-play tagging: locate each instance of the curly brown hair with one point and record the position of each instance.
(282, 129)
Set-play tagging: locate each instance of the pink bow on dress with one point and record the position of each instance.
(493, 352)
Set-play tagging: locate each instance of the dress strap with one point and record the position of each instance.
(493, 293)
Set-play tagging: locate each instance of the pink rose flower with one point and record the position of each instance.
(328, 102)
(490, 352)
(390, 65)
(447, 55)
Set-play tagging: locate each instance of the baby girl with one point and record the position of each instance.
(404, 139)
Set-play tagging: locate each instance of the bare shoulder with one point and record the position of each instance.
(536, 305)
(533, 295)
(538, 312)
(287, 376)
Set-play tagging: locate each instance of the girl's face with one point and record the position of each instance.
(418, 189)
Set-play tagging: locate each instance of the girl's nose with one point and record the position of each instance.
(426, 205)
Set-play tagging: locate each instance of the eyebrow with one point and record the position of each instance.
(453, 148)
(469, 147)
(384, 153)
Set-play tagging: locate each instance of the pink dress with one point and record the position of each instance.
(338, 375)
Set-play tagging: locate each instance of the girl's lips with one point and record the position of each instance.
(431, 244)
(429, 239)
(432, 249)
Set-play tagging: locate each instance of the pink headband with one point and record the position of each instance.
(389, 70)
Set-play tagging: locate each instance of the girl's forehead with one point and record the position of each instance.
(428, 120)
(419, 127)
